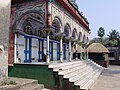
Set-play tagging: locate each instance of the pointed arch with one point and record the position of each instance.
(30, 22)
(67, 29)
(80, 36)
(57, 25)
(87, 40)
(74, 34)
(84, 39)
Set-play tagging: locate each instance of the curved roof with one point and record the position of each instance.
(97, 48)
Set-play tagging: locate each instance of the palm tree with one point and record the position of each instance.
(113, 35)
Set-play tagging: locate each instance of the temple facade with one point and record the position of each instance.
(46, 31)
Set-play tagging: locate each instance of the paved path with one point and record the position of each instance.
(109, 80)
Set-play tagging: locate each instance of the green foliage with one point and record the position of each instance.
(113, 35)
(109, 41)
(101, 32)
(112, 43)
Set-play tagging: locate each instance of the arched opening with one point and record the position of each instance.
(29, 37)
(57, 25)
(87, 40)
(80, 37)
(84, 39)
(31, 23)
(57, 28)
(67, 30)
(74, 34)
(74, 37)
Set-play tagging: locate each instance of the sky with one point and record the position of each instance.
(101, 13)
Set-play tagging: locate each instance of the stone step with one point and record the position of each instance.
(83, 76)
(10, 87)
(80, 75)
(57, 65)
(68, 67)
(28, 84)
(83, 80)
(45, 89)
(38, 87)
(90, 82)
(71, 70)
(22, 84)
(80, 72)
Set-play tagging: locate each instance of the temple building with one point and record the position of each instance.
(46, 28)
(47, 42)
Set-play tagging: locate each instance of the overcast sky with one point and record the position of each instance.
(105, 13)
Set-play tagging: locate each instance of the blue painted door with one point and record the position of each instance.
(51, 50)
(28, 49)
(64, 51)
(58, 51)
(40, 50)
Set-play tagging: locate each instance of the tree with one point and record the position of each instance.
(113, 36)
(101, 32)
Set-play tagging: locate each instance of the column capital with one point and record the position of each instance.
(60, 35)
(75, 40)
(47, 30)
(79, 43)
(69, 38)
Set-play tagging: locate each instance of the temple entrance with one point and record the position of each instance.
(29, 38)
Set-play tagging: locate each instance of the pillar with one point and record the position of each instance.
(81, 52)
(15, 50)
(70, 50)
(47, 50)
(85, 53)
(61, 50)
(76, 52)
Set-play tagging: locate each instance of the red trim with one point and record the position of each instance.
(74, 13)
(51, 15)
(46, 10)
(65, 14)
(19, 1)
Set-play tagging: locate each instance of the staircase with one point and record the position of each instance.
(82, 74)
(23, 84)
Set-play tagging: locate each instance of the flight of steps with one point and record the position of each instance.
(81, 73)
(23, 84)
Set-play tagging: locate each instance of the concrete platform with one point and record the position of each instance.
(108, 80)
